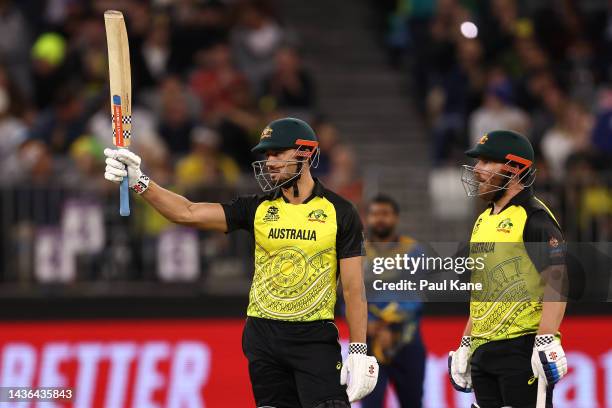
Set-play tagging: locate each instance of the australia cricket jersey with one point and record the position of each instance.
(297, 248)
(515, 246)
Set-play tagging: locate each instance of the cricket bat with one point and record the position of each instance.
(541, 401)
(120, 91)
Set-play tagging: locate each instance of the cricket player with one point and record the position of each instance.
(511, 340)
(305, 236)
(394, 335)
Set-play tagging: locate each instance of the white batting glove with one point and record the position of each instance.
(548, 360)
(362, 369)
(459, 370)
(116, 162)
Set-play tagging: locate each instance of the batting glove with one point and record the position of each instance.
(362, 369)
(548, 360)
(121, 163)
(459, 370)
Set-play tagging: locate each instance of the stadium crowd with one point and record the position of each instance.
(542, 68)
(206, 76)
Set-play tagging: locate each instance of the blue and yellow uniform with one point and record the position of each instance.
(403, 363)
(289, 338)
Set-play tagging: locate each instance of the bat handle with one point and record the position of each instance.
(541, 401)
(124, 198)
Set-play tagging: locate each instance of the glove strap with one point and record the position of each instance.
(358, 348)
(544, 340)
(465, 341)
(141, 185)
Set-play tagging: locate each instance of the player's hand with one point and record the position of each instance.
(548, 360)
(121, 163)
(459, 370)
(362, 370)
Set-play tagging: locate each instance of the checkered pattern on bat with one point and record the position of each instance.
(126, 119)
(126, 133)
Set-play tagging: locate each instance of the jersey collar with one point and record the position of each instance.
(520, 199)
(317, 191)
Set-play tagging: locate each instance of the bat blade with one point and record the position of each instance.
(541, 398)
(120, 79)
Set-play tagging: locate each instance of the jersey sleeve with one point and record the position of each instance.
(544, 241)
(240, 212)
(349, 240)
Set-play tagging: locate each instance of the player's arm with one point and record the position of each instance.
(351, 274)
(172, 206)
(180, 210)
(546, 248)
(361, 368)
(467, 331)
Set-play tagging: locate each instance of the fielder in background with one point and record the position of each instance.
(511, 340)
(394, 335)
(305, 237)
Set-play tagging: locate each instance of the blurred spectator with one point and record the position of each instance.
(12, 129)
(327, 134)
(569, 135)
(156, 49)
(36, 165)
(255, 40)
(205, 165)
(176, 120)
(196, 25)
(64, 121)
(216, 81)
(497, 110)
(289, 85)
(343, 177)
(87, 155)
(15, 42)
(49, 75)
(602, 131)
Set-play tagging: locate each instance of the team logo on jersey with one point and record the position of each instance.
(505, 226)
(267, 132)
(318, 216)
(477, 226)
(272, 214)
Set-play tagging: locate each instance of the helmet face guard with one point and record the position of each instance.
(306, 154)
(524, 174)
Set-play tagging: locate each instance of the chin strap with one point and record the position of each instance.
(294, 183)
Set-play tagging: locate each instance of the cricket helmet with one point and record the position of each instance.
(503, 146)
(284, 134)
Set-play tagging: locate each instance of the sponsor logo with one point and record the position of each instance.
(272, 214)
(531, 380)
(267, 132)
(292, 233)
(338, 365)
(505, 226)
(482, 247)
(318, 216)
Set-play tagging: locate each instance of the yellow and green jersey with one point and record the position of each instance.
(514, 246)
(297, 248)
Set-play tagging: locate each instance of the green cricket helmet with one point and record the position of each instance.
(285, 134)
(503, 146)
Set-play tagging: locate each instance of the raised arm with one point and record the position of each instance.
(174, 207)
